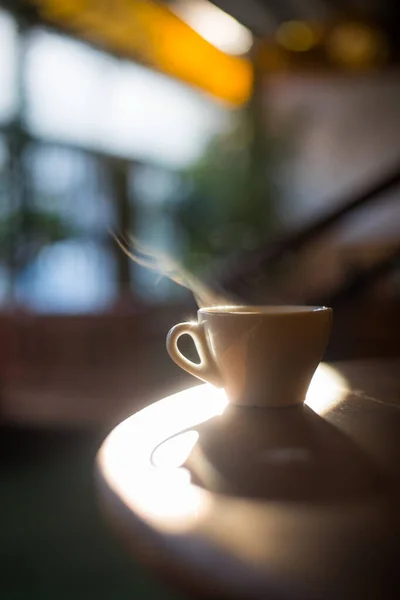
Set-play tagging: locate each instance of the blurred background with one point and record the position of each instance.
(253, 140)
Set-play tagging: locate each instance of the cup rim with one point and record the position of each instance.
(254, 309)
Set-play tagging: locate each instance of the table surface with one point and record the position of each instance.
(231, 502)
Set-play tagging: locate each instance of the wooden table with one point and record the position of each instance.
(228, 502)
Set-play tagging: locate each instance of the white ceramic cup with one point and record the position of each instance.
(261, 355)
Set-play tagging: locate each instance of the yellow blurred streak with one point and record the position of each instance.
(297, 36)
(149, 32)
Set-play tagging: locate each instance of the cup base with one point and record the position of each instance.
(265, 402)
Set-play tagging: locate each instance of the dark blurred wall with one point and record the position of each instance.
(347, 130)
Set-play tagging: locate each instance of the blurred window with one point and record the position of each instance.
(5, 199)
(5, 210)
(71, 184)
(68, 208)
(71, 276)
(72, 119)
(8, 67)
(152, 191)
(80, 95)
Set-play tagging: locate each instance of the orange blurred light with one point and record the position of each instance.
(151, 33)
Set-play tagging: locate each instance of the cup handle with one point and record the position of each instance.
(206, 370)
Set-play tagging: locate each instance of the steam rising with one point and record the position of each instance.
(205, 294)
